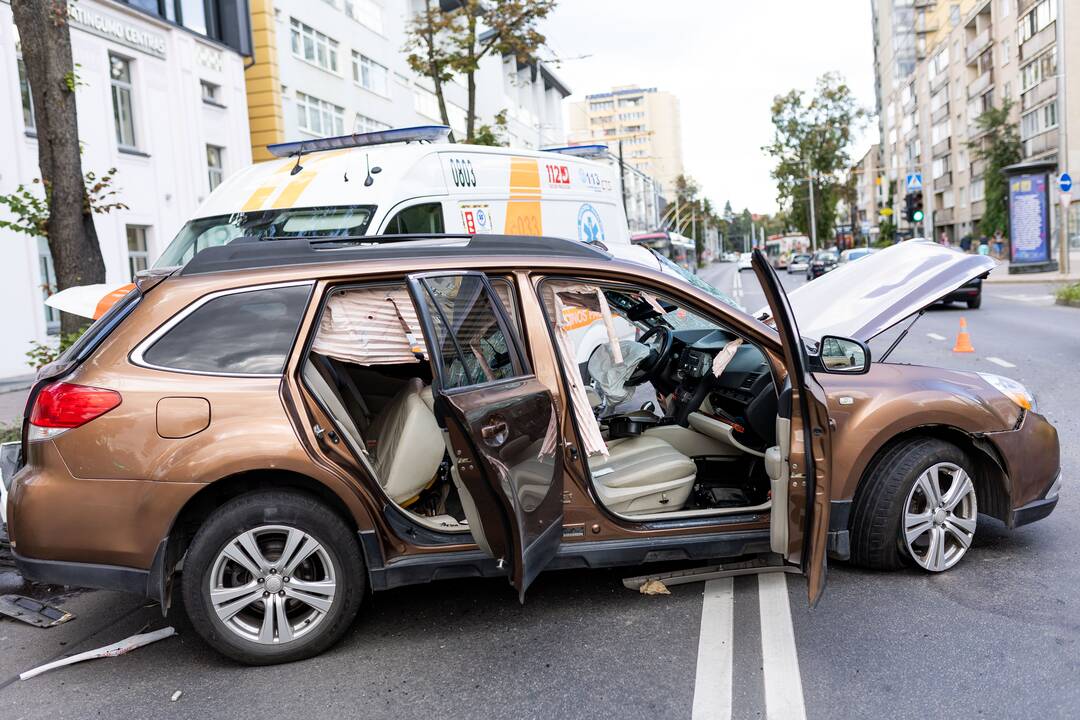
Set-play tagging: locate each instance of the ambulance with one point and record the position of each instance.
(404, 181)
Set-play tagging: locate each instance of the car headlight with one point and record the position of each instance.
(1012, 390)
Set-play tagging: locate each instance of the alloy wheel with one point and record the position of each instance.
(939, 517)
(272, 584)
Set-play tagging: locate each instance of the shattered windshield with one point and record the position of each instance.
(696, 281)
(285, 223)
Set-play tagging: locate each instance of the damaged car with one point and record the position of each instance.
(279, 427)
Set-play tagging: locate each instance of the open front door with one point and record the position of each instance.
(807, 511)
(499, 418)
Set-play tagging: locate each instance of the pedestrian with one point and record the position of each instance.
(984, 246)
(944, 238)
(965, 243)
(999, 244)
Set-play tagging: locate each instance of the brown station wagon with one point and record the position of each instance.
(281, 425)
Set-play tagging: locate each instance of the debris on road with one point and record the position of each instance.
(32, 612)
(753, 566)
(653, 587)
(176, 696)
(117, 648)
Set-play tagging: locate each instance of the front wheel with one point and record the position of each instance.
(975, 303)
(916, 505)
(273, 577)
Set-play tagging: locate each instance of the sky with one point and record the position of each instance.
(725, 60)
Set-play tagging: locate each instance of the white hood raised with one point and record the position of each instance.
(863, 298)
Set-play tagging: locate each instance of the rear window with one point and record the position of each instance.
(243, 333)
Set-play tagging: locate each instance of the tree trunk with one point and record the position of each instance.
(470, 115)
(46, 50)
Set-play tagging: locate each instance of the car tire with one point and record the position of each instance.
(332, 576)
(884, 501)
(975, 303)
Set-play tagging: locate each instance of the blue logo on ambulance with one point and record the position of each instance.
(589, 227)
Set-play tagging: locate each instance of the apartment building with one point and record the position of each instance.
(331, 67)
(940, 65)
(869, 192)
(645, 121)
(161, 98)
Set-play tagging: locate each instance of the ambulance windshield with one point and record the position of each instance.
(286, 223)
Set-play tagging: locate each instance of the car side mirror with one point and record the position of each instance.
(844, 356)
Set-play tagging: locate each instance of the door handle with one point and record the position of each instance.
(495, 431)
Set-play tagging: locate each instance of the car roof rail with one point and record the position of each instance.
(420, 133)
(248, 253)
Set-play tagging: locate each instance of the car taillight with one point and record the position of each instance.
(62, 406)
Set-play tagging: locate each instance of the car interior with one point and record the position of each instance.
(678, 415)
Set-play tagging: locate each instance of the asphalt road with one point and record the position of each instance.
(995, 637)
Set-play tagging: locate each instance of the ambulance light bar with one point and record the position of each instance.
(582, 151)
(422, 133)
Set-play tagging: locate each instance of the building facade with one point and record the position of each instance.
(645, 121)
(161, 98)
(939, 67)
(338, 66)
(869, 193)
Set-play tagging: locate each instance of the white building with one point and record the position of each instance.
(162, 102)
(342, 68)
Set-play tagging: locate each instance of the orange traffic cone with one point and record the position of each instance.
(963, 340)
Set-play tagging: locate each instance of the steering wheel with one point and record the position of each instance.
(651, 367)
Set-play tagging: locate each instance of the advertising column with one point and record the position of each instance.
(1029, 219)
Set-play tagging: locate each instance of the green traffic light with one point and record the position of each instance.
(917, 216)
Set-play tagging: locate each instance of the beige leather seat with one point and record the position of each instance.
(642, 475)
(408, 441)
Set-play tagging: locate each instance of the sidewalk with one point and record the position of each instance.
(11, 406)
(1000, 274)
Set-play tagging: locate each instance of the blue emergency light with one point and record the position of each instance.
(582, 151)
(421, 133)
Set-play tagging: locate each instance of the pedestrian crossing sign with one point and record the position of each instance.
(914, 182)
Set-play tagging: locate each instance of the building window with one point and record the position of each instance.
(1005, 51)
(24, 88)
(215, 168)
(318, 116)
(123, 114)
(364, 124)
(369, 74)
(311, 45)
(1037, 20)
(1038, 121)
(138, 253)
(48, 286)
(954, 15)
(211, 93)
(425, 102)
(601, 106)
(365, 12)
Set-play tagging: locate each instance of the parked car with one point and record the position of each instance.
(969, 293)
(822, 262)
(731, 257)
(853, 254)
(799, 263)
(745, 261)
(293, 422)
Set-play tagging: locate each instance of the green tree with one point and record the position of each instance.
(812, 136)
(998, 147)
(68, 223)
(493, 134)
(441, 43)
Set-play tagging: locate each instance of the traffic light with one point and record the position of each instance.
(909, 206)
(917, 208)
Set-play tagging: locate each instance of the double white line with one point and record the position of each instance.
(780, 660)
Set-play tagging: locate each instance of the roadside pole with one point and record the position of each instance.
(813, 220)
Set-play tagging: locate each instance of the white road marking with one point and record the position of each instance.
(736, 284)
(935, 336)
(1002, 363)
(1029, 298)
(780, 657)
(712, 686)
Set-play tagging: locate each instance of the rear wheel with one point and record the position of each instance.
(273, 577)
(975, 302)
(916, 505)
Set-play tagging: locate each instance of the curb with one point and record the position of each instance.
(1067, 303)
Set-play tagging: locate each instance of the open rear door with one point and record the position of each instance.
(499, 418)
(807, 511)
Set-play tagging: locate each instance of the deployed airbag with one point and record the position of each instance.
(610, 376)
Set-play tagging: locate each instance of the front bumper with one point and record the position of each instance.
(1036, 509)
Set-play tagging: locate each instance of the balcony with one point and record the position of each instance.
(940, 114)
(943, 182)
(925, 3)
(978, 209)
(976, 47)
(981, 84)
(943, 216)
(938, 80)
(924, 25)
(1041, 144)
(1038, 42)
(941, 148)
(1039, 94)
